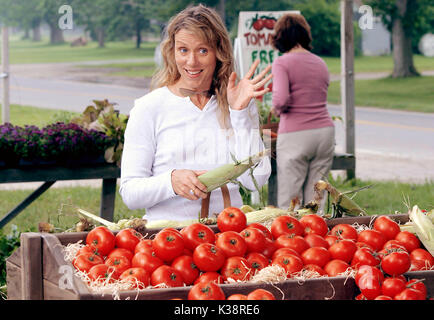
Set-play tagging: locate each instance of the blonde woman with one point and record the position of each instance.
(195, 118)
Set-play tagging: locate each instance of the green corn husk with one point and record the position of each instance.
(423, 227)
(265, 215)
(342, 204)
(226, 173)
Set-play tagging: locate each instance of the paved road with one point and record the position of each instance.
(389, 144)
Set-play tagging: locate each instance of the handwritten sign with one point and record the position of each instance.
(253, 42)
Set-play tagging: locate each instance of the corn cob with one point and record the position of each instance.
(226, 173)
(342, 204)
(423, 227)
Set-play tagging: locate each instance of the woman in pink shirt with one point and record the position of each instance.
(306, 135)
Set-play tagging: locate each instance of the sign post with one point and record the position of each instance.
(4, 74)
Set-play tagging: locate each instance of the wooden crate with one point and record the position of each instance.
(37, 271)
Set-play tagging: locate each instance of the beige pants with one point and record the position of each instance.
(302, 158)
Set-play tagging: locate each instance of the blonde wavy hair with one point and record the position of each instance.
(207, 24)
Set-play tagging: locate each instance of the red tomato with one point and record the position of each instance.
(373, 238)
(286, 225)
(382, 297)
(270, 248)
(264, 229)
(208, 257)
(237, 296)
(418, 284)
(296, 243)
(206, 291)
(166, 276)
(85, 261)
(285, 251)
(408, 240)
(168, 245)
(102, 272)
(260, 294)
(210, 276)
(370, 270)
(360, 297)
(119, 264)
(89, 249)
(232, 244)
(269, 23)
(231, 219)
(313, 223)
(257, 261)
(236, 268)
(258, 25)
(187, 268)
(316, 255)
(102, 239)
(128, 239)
(137, 277)
(314, 268)
(409, 294)
(392, 286)
(116, 252)
(423, 255)
(197, 233)
(143, 246)
(146, 261)
(291, 263)
(343, 250)
(369, 286)
(364, 245)
(336, 267)
(344, 231)
(331, 239)
(254, 238)
(365, 256)
(387, 227)
(418, 265)
(396, 263)
(315, 240)
(393, 244)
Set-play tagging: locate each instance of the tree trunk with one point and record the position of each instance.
(138, 35)
(221, 8)
(101, 37)
(56, 34)
(26, 34)
(402, 52)
(36, 35)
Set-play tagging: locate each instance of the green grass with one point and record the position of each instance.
(26, 51)
(377, 63)
(411, 94)
(55, 206)
(22, 115)
(133, 69)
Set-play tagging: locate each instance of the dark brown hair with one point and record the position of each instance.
(291, 29)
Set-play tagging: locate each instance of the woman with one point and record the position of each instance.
(305, 143)
(195, 117)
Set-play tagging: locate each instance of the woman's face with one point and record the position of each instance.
(195, 60)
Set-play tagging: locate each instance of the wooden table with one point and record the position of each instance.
(49, 174)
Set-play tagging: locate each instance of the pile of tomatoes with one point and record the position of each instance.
(199, 257)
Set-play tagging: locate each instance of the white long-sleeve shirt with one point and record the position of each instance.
(167, 132)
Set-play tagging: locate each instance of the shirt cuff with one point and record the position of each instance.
(168, 180)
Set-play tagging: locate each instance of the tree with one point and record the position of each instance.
(400, 17)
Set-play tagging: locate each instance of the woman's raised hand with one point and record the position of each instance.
(240, 94)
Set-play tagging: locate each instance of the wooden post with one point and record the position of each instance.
(347, 79)
(31, 266)
(108, 196)
(4, 75)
